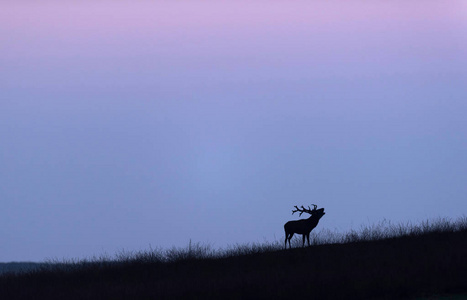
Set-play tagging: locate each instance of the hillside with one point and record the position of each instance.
(18, 267)
(421, 261)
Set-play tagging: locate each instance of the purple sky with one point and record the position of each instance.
(128, 124)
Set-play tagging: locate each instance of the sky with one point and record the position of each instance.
(126, 125)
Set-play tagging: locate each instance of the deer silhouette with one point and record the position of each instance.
(304, 226)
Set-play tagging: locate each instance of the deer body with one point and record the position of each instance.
(304, 226)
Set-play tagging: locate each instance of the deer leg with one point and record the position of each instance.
(290, 237)
(303, 245)
(308, 239)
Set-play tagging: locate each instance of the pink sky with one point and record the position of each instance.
(335, 38)
(330, 24)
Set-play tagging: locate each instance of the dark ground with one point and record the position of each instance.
(418, 265)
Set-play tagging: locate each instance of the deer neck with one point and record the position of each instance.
(313, 219)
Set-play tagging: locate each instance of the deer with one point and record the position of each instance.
(303, 226)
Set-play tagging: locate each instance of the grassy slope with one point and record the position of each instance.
(415, 265)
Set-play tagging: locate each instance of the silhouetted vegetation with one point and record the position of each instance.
(383, 261)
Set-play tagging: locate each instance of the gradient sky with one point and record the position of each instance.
(126, 124)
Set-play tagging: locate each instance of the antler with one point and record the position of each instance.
(304, 210)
